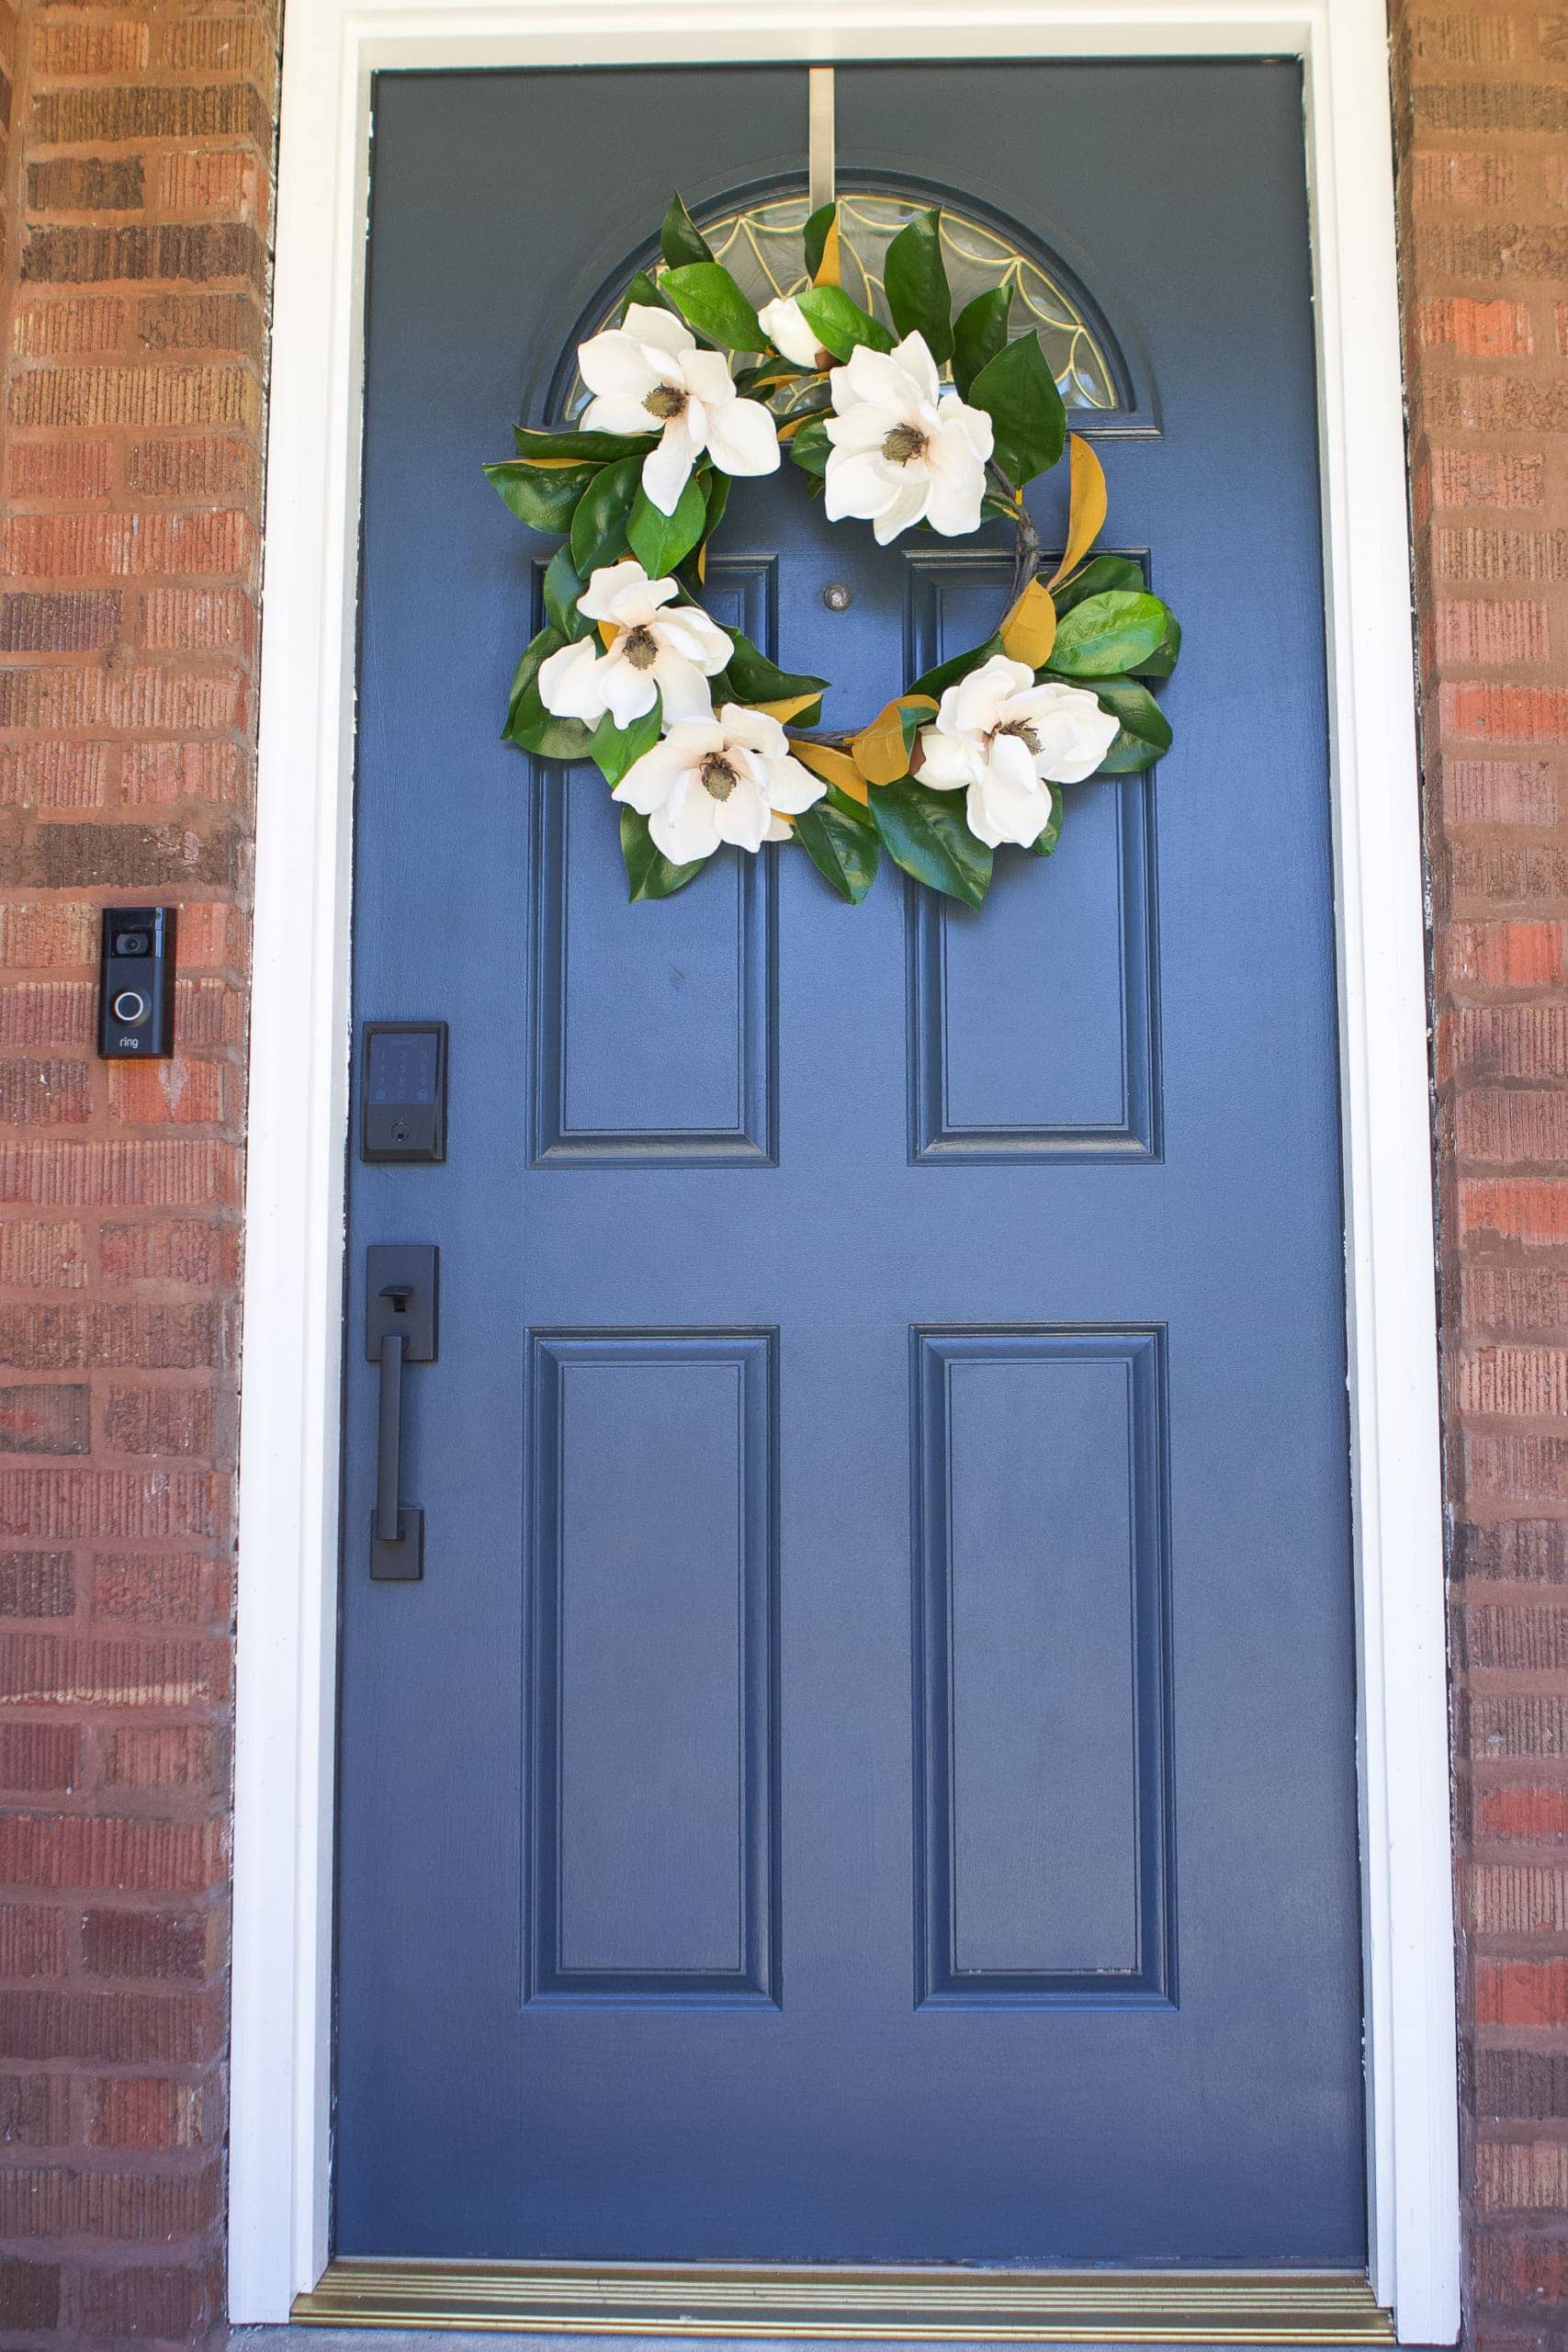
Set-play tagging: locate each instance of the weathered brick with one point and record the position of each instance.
(175, 2305)
(1531, 1814)
(167, 1946)
(129, 1854)
(174, 1420)
(1529, 1468)
(93, 256)
(1517, 1209)
(1513, 2176)
(1527, 2082)
(86, 184)
(1498, 330)
(36, 1584)
(39, 1759)
(174, 1756)
(153, 1588)
(1499, 629)
(1509, 1126)
(45, 1417)
(174, 1249)
(1517, 1900)
(1528, 1639)
(1499, 714)
(64, 620)
(59, 470)
(1519, 1551)
(29, 2294)
(1485, 478)
(1499, 792)
(144, 2111)
(76, 118)
(32, 1940)
(41, 1256)
(35, 2113)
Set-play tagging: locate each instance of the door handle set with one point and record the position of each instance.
(401, 1285)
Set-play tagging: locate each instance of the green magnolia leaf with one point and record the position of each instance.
(1108, 634)
(544, 497)
(680, 238)
(751, 677)
(649, 871)
(1018, 394)
(599, 524)
(594, 449)
(1127, 755)
(925, 834)
(844, 850)
(838, 323)
(1047, 841)
(1094, 578)
(816, 236)
(957, 665)
(645, 292)
(661, 541)
(811, 445)
(979, 331)
(539, 650)
(614, 749)
(563, 585)
(1136, 709)
(709, 300)
(718, 500)
(528, 724)
(915, 277)
(1167, 653)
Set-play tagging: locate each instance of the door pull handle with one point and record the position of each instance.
(400, 1329)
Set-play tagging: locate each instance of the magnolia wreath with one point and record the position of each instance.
(939, 425)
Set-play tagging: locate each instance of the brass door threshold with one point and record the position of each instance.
(920, 2303)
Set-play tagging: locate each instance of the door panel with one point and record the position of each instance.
(868, 1774)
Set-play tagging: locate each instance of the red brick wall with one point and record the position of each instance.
(1482, 109)
(132, 306)
(135, 145)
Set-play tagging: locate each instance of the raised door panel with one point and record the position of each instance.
(1044, 1844)
(653, 1832)
(697, 987)
(1069, 954)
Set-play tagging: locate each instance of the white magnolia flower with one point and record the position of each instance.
(719, 779)
(673, 653)
(787, 329)
(903, 446)
(648, 376)
(1005, 740)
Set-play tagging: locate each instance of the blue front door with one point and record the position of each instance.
(868, 1772)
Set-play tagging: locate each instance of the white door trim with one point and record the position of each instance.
(288, 1577)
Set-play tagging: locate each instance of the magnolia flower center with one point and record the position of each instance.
(718, 777)
(666, 401)
(640, 646)
(905, 441)
(1025, 733)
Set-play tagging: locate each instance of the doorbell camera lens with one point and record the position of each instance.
(130, 1006)
(131, 943)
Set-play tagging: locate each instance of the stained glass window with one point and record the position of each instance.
(761, 245)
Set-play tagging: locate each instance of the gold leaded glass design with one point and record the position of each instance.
(764, 248)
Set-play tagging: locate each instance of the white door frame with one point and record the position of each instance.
(300, 1057)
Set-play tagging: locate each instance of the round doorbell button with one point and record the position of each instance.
(130, 1006)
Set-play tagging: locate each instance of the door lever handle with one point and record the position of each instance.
(388, 1437)
(400, 1328)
